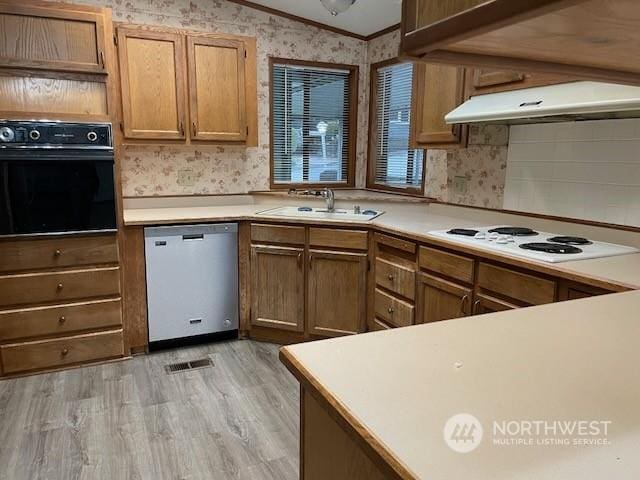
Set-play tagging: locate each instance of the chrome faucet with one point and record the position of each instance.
(326, 193)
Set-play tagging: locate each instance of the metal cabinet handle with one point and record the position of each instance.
(62, 319)
(57, 253)
(60, 286)
(195, 129)
(310, 260)
(390, 310)
(476, 304)
(300, 259)
(102, 58)
(390, 277)
(463, 302)
(64, 351)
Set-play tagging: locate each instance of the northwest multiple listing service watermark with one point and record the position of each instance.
(464, 433)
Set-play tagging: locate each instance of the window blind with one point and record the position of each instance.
(396, 165)
(310, 111)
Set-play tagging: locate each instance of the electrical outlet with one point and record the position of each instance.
(186, 178)
(460, 185)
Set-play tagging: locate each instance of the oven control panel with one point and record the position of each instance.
(15, 134)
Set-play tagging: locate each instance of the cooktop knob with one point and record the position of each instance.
(6, 134)
(480, 236)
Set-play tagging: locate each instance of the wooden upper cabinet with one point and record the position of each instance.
(188, 86)
(597, 39)
(336, 303)
(153, 85)
(482, 81)
(217, 89)
(277, 287)
(63, 39)
(437, 89)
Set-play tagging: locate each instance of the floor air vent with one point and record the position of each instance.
(192, 365)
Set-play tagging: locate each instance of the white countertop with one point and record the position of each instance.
(574, 360)
(407, 220)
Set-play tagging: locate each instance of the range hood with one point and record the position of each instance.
(563, 102)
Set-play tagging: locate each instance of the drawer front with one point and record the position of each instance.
(396, 278)
(63, 319)
(520, 286)
(445, 263)
(334, 238)
(277, 234)
(34, 288)
(21, 357)
(378, 325)
(392, 310)
(394, 242)
(57, 252)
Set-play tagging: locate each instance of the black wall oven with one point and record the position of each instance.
(56, 177)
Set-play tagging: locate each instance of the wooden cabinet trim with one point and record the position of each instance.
(123, 33)
(336, 238)
(196, 132)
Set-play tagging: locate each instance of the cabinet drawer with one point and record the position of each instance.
(445, 263)
(334, 238)
(58, 252)
(277, 234)
(392, 310)
(520, 286)
(378, 325)
(62, 319)
(397, 278)
(21, 357)
(34, 288)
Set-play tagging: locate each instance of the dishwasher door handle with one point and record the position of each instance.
(193, 236)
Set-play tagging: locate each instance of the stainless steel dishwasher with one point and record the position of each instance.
(192, 283)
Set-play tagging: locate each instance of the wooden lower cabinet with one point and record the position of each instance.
(440, 299)
(336, 302)
(487, 304)
(277, 286)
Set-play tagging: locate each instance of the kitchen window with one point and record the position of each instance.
(313, 123)
(393, 165)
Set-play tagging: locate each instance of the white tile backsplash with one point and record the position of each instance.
(586, 170)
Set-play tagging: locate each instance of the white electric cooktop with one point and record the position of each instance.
(526, 243)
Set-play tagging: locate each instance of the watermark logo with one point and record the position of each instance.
(463, 433)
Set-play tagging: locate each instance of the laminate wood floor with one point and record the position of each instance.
(131, 420)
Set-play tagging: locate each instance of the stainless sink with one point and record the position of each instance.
(322, 213)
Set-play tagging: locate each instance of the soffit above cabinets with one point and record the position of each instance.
(364, 18)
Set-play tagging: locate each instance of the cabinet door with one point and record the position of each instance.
(51, 38)
(486, 304)
(277, 287)
(153, 90)
(437, 89)
(440, 299)
(217, 89)
(337, 292)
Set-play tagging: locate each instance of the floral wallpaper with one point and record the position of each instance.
(482, 164)
(149, 171)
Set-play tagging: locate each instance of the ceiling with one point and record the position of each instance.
(364, 18)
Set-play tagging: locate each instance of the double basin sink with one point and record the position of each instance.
(352, 215)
